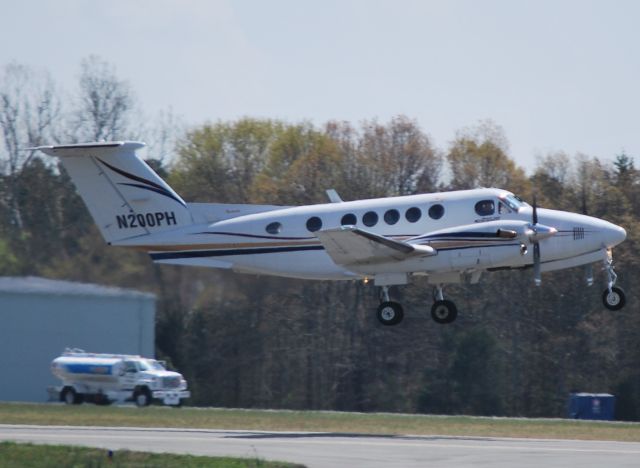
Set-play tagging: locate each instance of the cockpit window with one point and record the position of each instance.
(513, 202)
(485, 207)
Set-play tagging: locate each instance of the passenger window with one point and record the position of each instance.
(485, 207)
(370, 218)
(274, 228)
(391, 216)
(314, 224)
(349, 220)
(436, 211)
(413, 214)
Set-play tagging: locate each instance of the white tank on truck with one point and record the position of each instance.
(108, 378)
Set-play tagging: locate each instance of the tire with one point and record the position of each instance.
(142, 398)
(390, 313)
(70, 396)
(444, 311)
(614, 300)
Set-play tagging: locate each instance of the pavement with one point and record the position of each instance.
(330, 450)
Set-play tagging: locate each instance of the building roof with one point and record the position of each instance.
(45, 286)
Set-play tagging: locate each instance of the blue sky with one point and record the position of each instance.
(556, 75)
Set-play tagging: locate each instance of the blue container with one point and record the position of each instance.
(592, 406)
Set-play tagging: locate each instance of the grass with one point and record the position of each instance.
(14, 455)
(315, 421)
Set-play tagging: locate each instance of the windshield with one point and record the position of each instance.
(150, 364)
(513, 202)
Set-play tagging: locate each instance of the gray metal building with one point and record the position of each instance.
(40, 317)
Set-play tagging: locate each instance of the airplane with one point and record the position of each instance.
(449, 237)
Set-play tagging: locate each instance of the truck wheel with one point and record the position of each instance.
(70, 397)
(142, 397)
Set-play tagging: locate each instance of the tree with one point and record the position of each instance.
(29, 110)
(390, 159)
(478, 157)
(104, 104)
(219, 162)
(302, 163)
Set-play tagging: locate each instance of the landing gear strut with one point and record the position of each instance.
(613, 297)
(389, 312)
(442, 310)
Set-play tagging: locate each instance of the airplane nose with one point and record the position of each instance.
(614, 235)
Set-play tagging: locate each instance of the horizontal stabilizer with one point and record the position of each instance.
(348, 245)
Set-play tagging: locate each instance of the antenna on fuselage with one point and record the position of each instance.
(333, 196)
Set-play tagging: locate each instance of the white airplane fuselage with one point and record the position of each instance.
(243, 243)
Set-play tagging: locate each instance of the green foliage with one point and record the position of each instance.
(9, 263)
(478, 158)
(21, 455)
(315, 421)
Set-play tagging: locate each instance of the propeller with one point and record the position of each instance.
(537, 275)
(536, 233)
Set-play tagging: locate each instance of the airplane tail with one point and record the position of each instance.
(123, 194)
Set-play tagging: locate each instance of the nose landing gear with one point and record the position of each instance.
(613, 297)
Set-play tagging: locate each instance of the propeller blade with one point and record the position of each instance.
(535, 210)
(537, 277)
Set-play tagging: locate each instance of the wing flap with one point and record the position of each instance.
(348, 245)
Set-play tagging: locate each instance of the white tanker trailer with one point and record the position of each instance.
(108, 378)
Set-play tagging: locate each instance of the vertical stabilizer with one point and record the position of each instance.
(123, 194)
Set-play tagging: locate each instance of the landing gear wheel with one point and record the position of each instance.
(390, 313)
(444, 311)
(614, 300)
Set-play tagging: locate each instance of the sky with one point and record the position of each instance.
(561, 75)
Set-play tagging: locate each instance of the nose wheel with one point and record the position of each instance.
(613, 297)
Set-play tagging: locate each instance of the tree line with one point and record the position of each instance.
(258, 341)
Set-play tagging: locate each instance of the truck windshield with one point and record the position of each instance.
(149, 364)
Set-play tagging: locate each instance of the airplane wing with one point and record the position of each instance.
(348, 245)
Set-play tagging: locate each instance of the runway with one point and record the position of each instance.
(329, 450)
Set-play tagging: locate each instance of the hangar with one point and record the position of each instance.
(41, 317)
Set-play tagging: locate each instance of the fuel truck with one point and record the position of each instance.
(116, 378)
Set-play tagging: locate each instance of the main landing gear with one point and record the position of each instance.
(613, 297)
(442, 310)
(391, 313)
